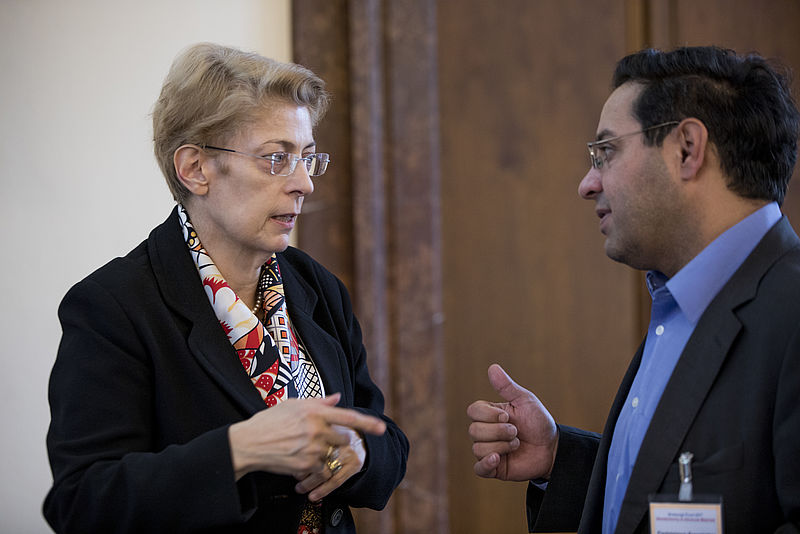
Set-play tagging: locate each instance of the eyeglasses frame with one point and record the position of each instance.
(324, 158)
(597, 162)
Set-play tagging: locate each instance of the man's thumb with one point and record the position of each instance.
(504, 384)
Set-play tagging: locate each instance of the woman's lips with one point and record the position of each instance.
(287, 221)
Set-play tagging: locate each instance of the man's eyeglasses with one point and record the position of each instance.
(284, 163)
(598, 156)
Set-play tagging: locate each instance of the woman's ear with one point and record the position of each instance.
(693, 140)
(188, 161)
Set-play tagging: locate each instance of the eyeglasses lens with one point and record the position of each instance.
(285, 164)
(316, 164)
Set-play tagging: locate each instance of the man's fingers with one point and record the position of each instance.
(487, 467)
(485, 448)
(492, 431)
(504, 385)
(487, 412)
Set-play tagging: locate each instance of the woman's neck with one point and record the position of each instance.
(239, 269)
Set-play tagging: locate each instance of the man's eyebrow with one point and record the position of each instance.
(604, 134)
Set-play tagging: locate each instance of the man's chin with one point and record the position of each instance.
(615, 253)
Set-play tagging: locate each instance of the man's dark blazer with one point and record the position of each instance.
(733, 400)
(146, 384)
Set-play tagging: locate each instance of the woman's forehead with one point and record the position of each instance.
(281, 123)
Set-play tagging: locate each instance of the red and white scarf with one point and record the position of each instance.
(277, 364)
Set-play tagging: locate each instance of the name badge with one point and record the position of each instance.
(685, 517)
(685, 513)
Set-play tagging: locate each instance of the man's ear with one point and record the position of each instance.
(692, 140)
(188, 161)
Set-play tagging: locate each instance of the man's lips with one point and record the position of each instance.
(603, 214)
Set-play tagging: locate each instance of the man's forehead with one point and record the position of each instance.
(618, 110)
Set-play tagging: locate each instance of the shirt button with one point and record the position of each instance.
(635, 402)
(659, 330)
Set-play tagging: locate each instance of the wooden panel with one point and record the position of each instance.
(526, 281)
(320, 42)
(371, 243)
(412, 152)
(380, 221)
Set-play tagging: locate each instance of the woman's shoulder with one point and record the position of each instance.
(304, 264)
(300, 269)
(127, 274)
(132, 272)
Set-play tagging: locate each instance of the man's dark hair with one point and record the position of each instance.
(744, 102)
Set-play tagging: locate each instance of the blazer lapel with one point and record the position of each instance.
(180, 286)
(324, 350)
(694, 375)
(683, 396)
(592, 517)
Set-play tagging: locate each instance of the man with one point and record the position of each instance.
(694, 151)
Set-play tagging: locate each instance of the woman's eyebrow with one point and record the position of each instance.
(288, 146)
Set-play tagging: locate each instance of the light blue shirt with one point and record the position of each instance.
(677, 305)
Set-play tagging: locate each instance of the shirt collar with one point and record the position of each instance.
(699, 281)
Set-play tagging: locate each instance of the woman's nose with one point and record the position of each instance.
(300, 180)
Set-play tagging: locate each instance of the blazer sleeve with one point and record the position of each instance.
(107, 477)
(387, 454)
(558, 507)
(786, 426)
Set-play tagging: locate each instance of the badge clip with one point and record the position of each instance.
(689, 513)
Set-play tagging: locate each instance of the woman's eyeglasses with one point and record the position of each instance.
(284, 163)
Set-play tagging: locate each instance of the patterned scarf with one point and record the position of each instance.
(278, 366)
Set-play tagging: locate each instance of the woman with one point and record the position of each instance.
(197, 379)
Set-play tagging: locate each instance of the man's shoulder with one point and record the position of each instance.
(781, 281)
(774, 265)
(781, 249)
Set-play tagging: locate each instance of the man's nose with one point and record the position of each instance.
(591, 184)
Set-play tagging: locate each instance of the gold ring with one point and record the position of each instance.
(334, 464)
(329, 454)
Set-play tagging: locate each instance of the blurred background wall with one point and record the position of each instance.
(451, 211)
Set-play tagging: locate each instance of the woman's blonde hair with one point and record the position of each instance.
(212, 92)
